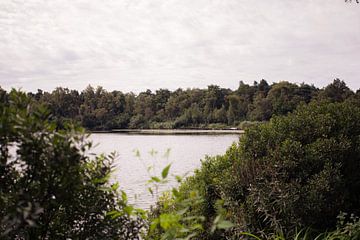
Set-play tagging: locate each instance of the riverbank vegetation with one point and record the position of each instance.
(294, 177)
(211, 108)
(299, 171)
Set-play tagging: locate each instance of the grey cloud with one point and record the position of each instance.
(133, 45)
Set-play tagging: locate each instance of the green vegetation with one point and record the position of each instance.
(298, 171)
(294, 177)
(49, 187)
(214, 107)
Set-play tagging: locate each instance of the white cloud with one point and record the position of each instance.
(133, 45)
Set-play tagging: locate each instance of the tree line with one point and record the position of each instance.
(214, 107)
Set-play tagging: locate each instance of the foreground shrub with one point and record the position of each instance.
(295, 172)
(300, 170)
(49, 187)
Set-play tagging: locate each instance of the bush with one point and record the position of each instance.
(49, 187)
(297, 171)
(206, 183)
(300, 170)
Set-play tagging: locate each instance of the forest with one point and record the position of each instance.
(211, 108)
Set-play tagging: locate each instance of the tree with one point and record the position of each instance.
(237, 108)
(285, 97)
(220, 115)
(263, 87)
(337, 91)
(260, 109)
(50, 188)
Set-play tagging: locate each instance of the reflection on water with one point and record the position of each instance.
(136, 153)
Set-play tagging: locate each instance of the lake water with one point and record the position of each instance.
(184, 152)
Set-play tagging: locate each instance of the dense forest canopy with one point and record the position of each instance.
(214, 107)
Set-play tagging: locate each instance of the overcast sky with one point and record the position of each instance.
(132, 45)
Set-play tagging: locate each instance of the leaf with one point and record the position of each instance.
(154, 224)
(141, 212)
(183, 211)
(249, 234)
(214, 225)
(111, 213)
(213, 228)
(178, 178)
(197, 226)
(101, 180)
(124, 196)
(225, 224)
(155, 179)
(114, 214)
(189, 237)
(128, 210)
(167, 153)
(137, 153)
(217, 219)
(165, 171)
(175, 192)
(168, 220)
(153, 152)
(115, 186)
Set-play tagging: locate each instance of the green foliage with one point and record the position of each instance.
(98, 109)
(298, 171)
(210, 208)
(174, 217)
(337, 91)
(49, 187)
(285, 97)
(295, 172)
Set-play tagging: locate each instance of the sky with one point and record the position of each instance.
(134, 45)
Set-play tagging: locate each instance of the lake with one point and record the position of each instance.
(139, 152)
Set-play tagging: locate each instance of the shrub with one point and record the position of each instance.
(49, 187)
(297, 171)
(206, 183)
(300, 170)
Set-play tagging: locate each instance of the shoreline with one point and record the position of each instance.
(171, 131)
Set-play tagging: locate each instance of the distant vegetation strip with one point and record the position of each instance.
(211, 108)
